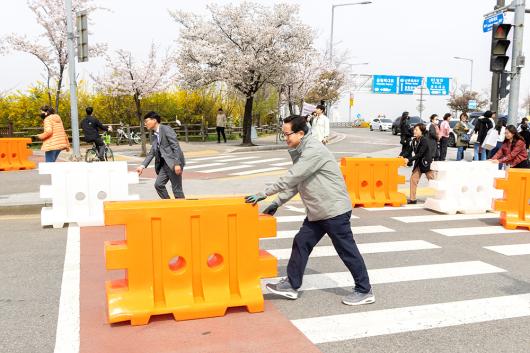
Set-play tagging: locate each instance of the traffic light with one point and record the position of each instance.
(504, 87)
(499, 47)
(82, 37)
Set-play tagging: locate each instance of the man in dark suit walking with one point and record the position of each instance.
(169, 159)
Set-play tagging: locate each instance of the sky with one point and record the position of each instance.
(406, 37)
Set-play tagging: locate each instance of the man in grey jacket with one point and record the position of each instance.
(169, 159)
(315, 174)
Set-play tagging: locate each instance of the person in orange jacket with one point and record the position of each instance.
(54, 137)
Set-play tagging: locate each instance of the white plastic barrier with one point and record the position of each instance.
(78, 190)
(466, 187)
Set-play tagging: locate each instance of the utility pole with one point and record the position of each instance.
(73, 84)
(495, 76)
(517, 61)
(421, 107)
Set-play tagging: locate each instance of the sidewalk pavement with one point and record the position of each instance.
(20, 190)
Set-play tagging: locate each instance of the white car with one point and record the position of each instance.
(381, 124)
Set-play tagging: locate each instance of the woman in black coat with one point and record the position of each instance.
(406, 134)
(422, 159)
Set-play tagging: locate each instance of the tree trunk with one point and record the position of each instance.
(138, 104)
(247, 122)
(58, 91)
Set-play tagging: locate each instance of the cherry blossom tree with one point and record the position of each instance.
(50, 47)
(137, 79)
(246, 46)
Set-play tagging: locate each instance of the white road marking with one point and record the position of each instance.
(67, 336)
(396, 274)
(366, 248)
(445, 217)
(208, 158)
(238, 159)
(458, 232)
(511, 250)
(257, 171)
(266, 160)
(413, 318)
(288, 219)
(224, 169)
(199, 166)
(282, 164)
(285, 234)
(389, 208)
(295, 209)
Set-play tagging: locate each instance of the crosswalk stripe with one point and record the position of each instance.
(204, 166)
(266, 160)
(257, 171)
(445, 217)
(289, 219)
(208, 158)
(511, 250)
(238, 159)
(458, 232)
(224, 169)
(396, 274)
(389, 208)
(283, 164)
(366, 248)
(285, 234)
(413, 318)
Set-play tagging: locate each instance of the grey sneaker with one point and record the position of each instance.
(358, 298)
(283, 288)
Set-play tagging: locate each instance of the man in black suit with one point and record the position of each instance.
(169, 159)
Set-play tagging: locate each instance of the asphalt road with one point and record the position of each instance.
(443, 292)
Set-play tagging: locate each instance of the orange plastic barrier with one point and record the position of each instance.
(514, 207)
(373, 182)
(189, 258)
(14, 154)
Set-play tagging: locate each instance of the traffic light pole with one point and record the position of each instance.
(495, 76)
(517, 61)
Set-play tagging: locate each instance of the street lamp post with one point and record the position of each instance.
(351, 93)
(333, 20)
(471, 61)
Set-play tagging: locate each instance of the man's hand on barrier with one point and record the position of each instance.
(271, 209)
(254, 199)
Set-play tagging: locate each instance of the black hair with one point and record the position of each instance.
(488, 114)
(321, 107)
(89, 110)
(152, 115)
(515, 134)
(464, 114)
(446, 116)
(432, 117)
(220, 109)
(47, 109)
(498, 126)
(422, 127)
(298, 123)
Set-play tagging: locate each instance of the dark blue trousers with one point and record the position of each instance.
(339, 230)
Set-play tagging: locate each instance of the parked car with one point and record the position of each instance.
(381, 124)
(413, 121)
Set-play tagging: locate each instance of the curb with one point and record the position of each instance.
(22, 209)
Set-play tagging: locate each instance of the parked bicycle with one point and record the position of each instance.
(122, 136)
(92, 153)
(281, 136)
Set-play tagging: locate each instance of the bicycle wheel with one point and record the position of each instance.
(136, 138)
(109, 155)
(281, 136)
(91, 156)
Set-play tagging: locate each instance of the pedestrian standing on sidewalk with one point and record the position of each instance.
(483, 125)
(220, 125)
(462, 136)
(524, 122)
(434, 137)
(513, 151)
(406, 135)
(54, 138)
(320, 125)
(500, 126)
(169, 159)
(445, 130)
(316, 176)
(526, 135)
(422, 160)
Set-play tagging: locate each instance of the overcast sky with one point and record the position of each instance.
(406, 37)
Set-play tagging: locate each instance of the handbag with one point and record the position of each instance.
(465, 138)
(490, 142)
(473, 138)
